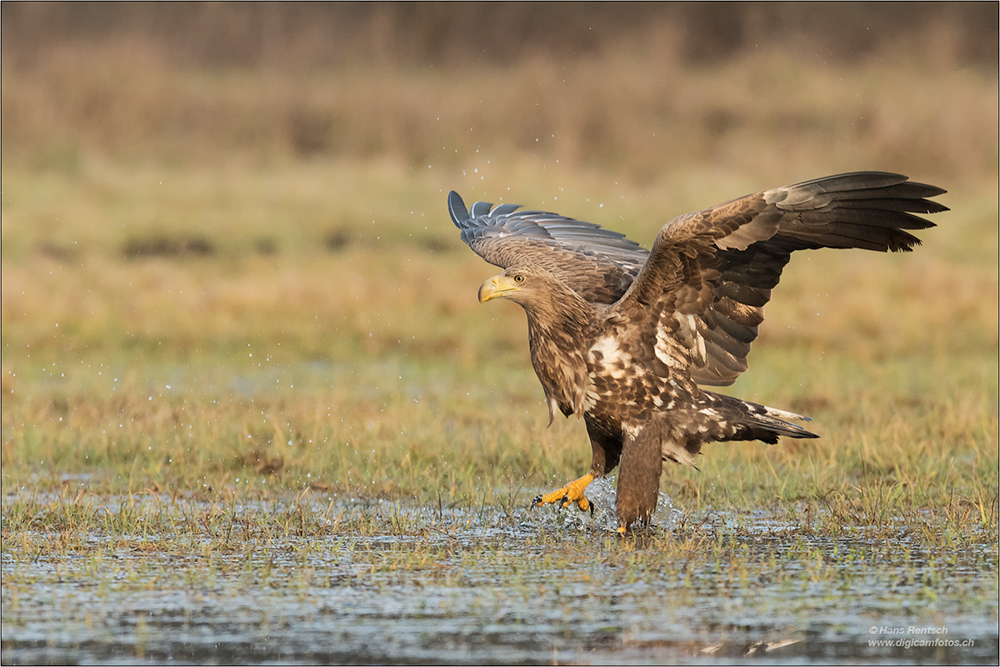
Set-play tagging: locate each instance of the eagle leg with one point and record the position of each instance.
(639, 480)
(571, 493)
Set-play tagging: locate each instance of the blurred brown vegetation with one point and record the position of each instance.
(626, 87)
(305, 35)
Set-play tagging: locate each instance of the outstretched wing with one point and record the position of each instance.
(597, 263)
(751, 240)
(701, 294)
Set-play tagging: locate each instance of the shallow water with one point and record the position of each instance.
(486, 585)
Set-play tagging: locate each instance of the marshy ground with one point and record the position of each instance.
(253, 412)
(155, 579)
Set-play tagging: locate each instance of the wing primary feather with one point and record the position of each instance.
(504, 209)
(456, 207)
(481, 209)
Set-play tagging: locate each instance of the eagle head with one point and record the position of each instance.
(549, 303)
(515, 283)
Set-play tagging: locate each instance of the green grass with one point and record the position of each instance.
(370, 367)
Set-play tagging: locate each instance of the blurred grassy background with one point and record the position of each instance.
(224, 225)
(642, 91)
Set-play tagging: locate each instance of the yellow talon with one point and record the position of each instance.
(572, 492)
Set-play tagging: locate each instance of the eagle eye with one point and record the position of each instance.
(518, 278)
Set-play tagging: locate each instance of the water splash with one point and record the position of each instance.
(601, 493)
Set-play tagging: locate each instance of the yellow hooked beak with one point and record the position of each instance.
(495, 287)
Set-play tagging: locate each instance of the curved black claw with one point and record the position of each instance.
(563, 502)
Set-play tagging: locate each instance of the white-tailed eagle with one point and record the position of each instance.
(622, 336)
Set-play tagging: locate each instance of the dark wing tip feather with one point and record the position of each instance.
(463, 217)
(481, 209)
(506, 209)
(456, 208)
(867, 209)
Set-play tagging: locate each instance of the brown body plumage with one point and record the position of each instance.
(622, 337)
